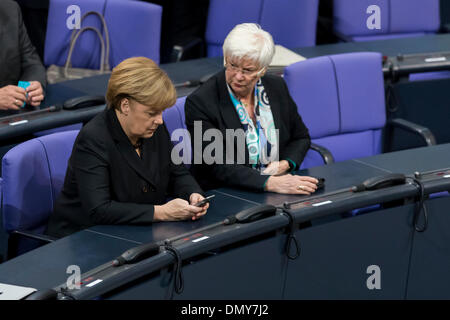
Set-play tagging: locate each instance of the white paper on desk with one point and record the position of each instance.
(12, 292)
(284, 57)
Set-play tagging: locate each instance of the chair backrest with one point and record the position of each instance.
(341, 100)
(291, 23)
(134, 28)
(223, 16)
(87, 51)
(399, 18)
(32, 176)
(134, 23)
(174, 119)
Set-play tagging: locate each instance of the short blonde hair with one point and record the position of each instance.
(142, 80)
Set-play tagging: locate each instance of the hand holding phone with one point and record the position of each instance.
(204, 201)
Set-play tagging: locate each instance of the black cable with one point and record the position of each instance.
(420, 206)
(391, 99)
(291, 239)
(178, 283)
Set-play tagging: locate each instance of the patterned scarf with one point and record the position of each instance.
(261, 138)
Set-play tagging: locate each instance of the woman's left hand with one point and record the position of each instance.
(196, 198)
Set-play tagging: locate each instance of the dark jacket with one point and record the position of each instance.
(108, 183)
(18, 57)
(212, 105)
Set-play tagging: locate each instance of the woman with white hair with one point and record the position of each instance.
(245, 99)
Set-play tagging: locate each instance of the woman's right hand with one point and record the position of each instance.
(177, 209)
(292, 184)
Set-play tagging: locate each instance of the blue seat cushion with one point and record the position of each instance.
(346, 146)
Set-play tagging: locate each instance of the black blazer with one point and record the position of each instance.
(212, 105)
(18, 57)
(108, 183)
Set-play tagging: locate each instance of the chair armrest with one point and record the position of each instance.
(324, 153)
(422, 131)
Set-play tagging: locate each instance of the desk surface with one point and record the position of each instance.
(46, 266)
(349, 173)
(390, 47)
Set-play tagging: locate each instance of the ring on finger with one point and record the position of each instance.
(300, 187)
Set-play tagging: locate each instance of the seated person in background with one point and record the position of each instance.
(242, 97)
(120, 170)
(18, 61)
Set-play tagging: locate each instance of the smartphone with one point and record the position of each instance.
(23, 84)
(321, 183)
(204, 201)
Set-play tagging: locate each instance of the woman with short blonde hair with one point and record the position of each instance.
(142, 80)
(120, 171)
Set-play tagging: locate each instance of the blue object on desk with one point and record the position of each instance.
(25, 85)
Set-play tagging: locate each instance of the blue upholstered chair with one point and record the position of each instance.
(32, 176)
(223, 16)
(134, 28)
(399, 18)
(291, 23)
(174, 119)
(341, 100)
(137, 34)
(87, 50)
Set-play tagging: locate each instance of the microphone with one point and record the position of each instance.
(26, 114)
(244, 216)
(380, 182)
(358, 188)
(194, 83)
(189, 83)
(252, 214)
(206, 77)
(136, 254)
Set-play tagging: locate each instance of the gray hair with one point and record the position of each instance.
(250, 41)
